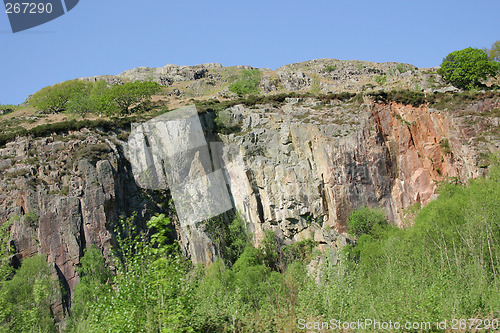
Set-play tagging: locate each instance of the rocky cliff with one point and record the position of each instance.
(303, 164)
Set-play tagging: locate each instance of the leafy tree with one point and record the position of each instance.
(147, 293)
(229, 235)
(131, 93)
(80, 105)
(5, 268)
(95, 278)
(247, 83)
(494, 51)
(54, 99)
(25, 300)
(467, 68)
(100, 98)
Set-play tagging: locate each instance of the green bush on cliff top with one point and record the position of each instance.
(467, 68)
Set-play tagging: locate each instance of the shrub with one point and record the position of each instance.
(25, 300)
(229, 234)
(407, 97)
(494, 51)
(92, 153)
(366, 221)
(31, 218)
(465, 69)
(381, 79)
(247, 83)
(7, 108)
(329, 68)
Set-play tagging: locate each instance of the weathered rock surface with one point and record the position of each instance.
(320, 75)
(309, 165)
(65, 194)
(303, 166)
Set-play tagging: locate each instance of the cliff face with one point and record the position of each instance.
(308, 162)
(302, 167)
(64, 193)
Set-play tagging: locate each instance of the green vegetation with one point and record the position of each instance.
(5, 268)
(224, 124)
(366, 221)
(92, 153)
(446, 266)
(53, 99)
(247, 83)
(330, 68)
(315, 86)
(494, 51)
(452, 101)
(81, 98)
(407, 97)
(402, 68)
(71, 125)
(381, 79)
(467, 68)
(7, 108)
(445, 146)
(136, 93)
(25, 300)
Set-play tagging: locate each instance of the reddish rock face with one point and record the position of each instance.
(430, 146)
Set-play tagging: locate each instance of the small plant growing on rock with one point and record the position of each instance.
(31, 218)
(329, 68)
(247, 83)
(445, 146)
(381, 79)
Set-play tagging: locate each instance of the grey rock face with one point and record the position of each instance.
(63, 196)
(168, 74)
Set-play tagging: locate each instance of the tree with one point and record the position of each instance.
(5, 268)
(126, 95)
(465, 69)
(81, 105)
(53, 99)
(25, 301)
(494, 51)
(95, 278)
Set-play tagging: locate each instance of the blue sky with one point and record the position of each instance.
(108, 37)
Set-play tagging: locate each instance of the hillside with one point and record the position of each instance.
(320, 140)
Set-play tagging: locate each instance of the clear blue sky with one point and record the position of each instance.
(109, 36)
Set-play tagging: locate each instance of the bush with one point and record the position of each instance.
(407, 97)
(93, 153)
(381, 79)
(229, 234)
(247, 83)
(366, 221)
(329, 68)
(465, 69)
(494, 51)
(25, 301)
